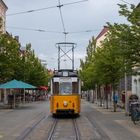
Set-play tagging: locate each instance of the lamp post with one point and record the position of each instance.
(135, 83)
(126, 98)
(23, 49)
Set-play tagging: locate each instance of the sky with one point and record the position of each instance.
(78, 19)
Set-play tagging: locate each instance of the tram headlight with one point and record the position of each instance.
(65, 103)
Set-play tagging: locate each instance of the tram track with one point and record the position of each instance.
(76, 130)
(98, 132)
(48, 128)
(73, 131)
(40, 117)
(52, 129)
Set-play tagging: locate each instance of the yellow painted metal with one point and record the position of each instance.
(72, 102)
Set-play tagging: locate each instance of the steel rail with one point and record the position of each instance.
(77, 133)
(27, 131)
(52, 130)
(93, 122)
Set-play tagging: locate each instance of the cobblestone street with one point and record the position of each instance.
(105, 124)
(115, 124)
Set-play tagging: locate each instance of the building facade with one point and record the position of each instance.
(136, 83)
(3, 9)
(101, 36)
(133, 82)
(105, 91)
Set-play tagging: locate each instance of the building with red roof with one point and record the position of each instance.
(101, 36)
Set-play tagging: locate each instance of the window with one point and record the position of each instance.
(65, 86)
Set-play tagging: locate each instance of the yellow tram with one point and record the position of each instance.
(65, 92)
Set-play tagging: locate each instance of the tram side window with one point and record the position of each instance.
(56, 88)
(75, 87)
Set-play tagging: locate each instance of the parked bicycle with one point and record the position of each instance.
(135, 115)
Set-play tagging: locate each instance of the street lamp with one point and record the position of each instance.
(23, 49)
(126, 98)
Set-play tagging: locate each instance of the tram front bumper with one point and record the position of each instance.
(65, 111)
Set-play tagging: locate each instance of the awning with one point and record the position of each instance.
(15, 84)
(43, 87)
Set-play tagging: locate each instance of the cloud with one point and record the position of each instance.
(42, 56)
(90, 15)
(79, 55)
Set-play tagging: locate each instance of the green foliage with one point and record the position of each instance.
(86, 72)
(9, 56)
(129, 35)
(108, 63)
(120, 51)
(32, 70)
(20, 65)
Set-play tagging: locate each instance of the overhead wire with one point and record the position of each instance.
(61, 16)
(87, 31)
(62, 21)
(31, 11)
(32, 29)
(40, 9)
(64, 30)
(45, 8)
(49, 31)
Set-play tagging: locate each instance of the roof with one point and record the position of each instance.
(15, 84)
(138, 5)
(104, 30)
(43, 87)
(4, 4)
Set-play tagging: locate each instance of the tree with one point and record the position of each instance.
(20, 65)
(32, 70)
(86, 72)
(109, 63)
(9, 54)
(127, 36)
(15, 64)
(125, 39)
(120, 51)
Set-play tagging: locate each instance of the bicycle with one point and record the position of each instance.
(135, 116)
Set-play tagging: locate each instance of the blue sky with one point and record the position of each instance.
(88, 15)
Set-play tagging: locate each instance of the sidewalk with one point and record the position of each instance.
(107, 111)
(2, 106)
(124, 121)
(17, 106)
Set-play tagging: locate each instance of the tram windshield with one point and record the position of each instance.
(65, 88)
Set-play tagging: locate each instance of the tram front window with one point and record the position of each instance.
(65, 88)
